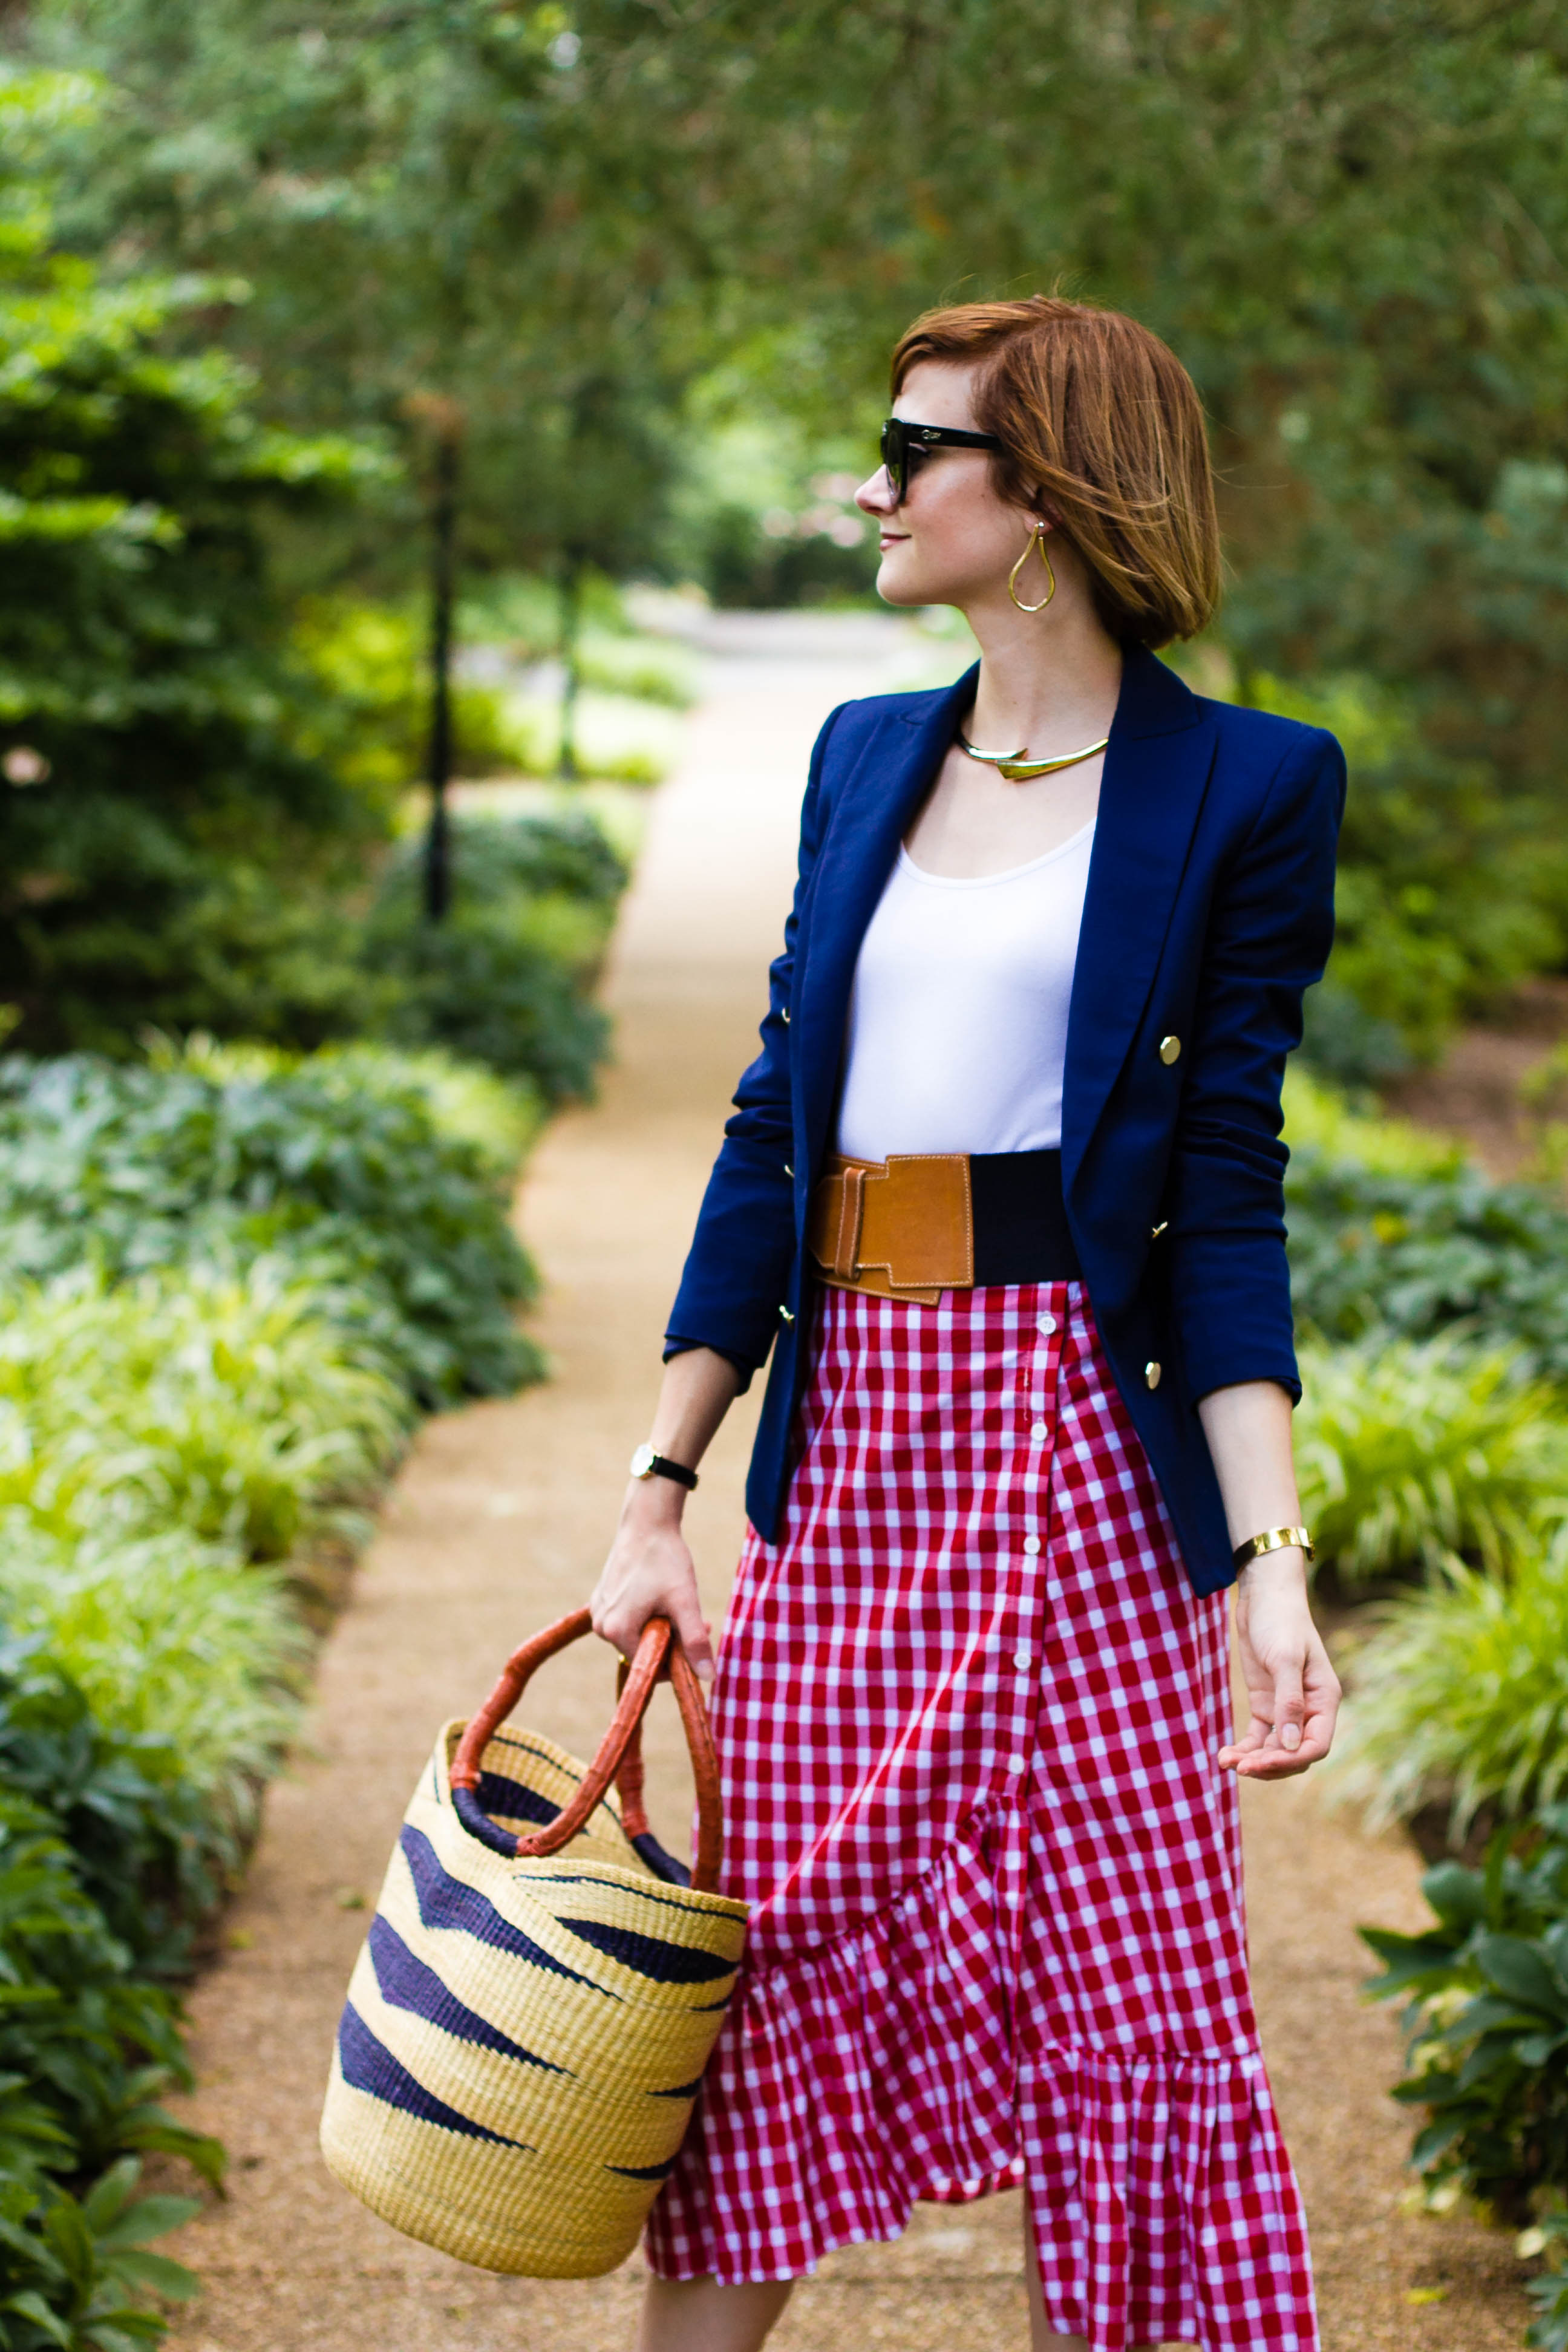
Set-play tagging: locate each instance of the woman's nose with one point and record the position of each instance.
(875, 496)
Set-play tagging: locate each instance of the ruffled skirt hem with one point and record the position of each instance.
(899, 2064)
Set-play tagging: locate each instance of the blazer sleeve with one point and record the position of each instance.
(1270, 929)
(737, 1271)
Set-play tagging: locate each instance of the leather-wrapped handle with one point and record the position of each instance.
(619, 1753)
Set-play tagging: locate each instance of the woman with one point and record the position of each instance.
(1003, 1193)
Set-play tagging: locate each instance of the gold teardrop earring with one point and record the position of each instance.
(1037, 539)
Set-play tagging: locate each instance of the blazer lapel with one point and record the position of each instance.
(1156, 772)
(874, 805)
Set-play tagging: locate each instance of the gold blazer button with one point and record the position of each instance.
(785, 1314)
(1169, 1050)
(1152, 1376)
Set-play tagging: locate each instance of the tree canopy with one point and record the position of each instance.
(577, 231)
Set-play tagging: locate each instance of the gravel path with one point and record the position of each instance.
(498, 1524)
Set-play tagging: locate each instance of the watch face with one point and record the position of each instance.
(643, 1461)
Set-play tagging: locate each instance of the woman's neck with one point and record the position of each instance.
(1049, 682)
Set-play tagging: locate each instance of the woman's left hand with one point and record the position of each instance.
(1293, 1691)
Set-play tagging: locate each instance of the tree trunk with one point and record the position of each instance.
(443, 584)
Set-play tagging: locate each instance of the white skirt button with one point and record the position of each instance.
(1039, 1431)
(1047, 1324)
(1031, 1545)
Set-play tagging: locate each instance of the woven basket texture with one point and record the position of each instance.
(523, 2039)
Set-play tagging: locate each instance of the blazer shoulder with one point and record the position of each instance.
(866, 716)
(863, 717)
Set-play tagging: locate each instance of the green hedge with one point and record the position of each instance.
(1414, 1255)
(339, 1168)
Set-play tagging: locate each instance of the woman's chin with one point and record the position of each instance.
(897, 583)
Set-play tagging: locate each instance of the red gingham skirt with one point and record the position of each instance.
(967, 1710)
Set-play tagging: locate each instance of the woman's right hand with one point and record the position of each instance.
(651, 1574)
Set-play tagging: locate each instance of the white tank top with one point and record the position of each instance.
(958, 1018)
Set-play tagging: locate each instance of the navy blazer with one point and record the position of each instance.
(1209, 909)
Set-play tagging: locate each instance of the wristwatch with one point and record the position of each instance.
(647, 1464)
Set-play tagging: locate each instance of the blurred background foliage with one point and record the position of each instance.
(624, 280)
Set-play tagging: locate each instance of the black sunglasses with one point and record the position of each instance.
(903, 444)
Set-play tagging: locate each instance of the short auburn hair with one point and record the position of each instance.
(1100, 428)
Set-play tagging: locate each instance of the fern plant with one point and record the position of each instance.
(226, 1403)
(1408, 1452)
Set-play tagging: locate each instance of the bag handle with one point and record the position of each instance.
(619, 1752)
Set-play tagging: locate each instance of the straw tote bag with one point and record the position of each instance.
(529, 2019)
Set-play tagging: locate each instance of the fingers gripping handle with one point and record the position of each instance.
(620, 1751)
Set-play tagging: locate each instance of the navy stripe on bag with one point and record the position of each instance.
(445, 1902)
(369, 2065)
(405, 1982)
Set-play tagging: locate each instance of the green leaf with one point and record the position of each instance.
(107, 2198)
(67, 2233)
(1521, 1970)
(164, 2276)
(31, 2305)
(150, 2218)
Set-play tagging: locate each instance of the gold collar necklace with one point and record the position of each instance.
(1017, 770)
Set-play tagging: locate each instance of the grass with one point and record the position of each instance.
(1460, 1697)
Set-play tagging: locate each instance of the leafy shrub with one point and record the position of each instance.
(1547, 2331)
(225, 1404)
(500, 1116)
(343, 1175)
(1487, 1988)
(69, 2271)
(85, 2045)
(144, 1843)
(1410, 1452)
(499, 860)
(370, 722)
(1445, 897)
(504, 979)
(1324, 1121)
(638, 667)
(172, 1643)
(1412, 1254)
(87, 2042)
(1544, 1094)
(1345, 1044)
(1461, 1693)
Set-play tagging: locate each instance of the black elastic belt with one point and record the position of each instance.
(1020, 1223)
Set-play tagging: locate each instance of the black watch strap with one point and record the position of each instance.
(647, 1464)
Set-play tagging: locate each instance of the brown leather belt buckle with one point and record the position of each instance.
(904, 1229)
